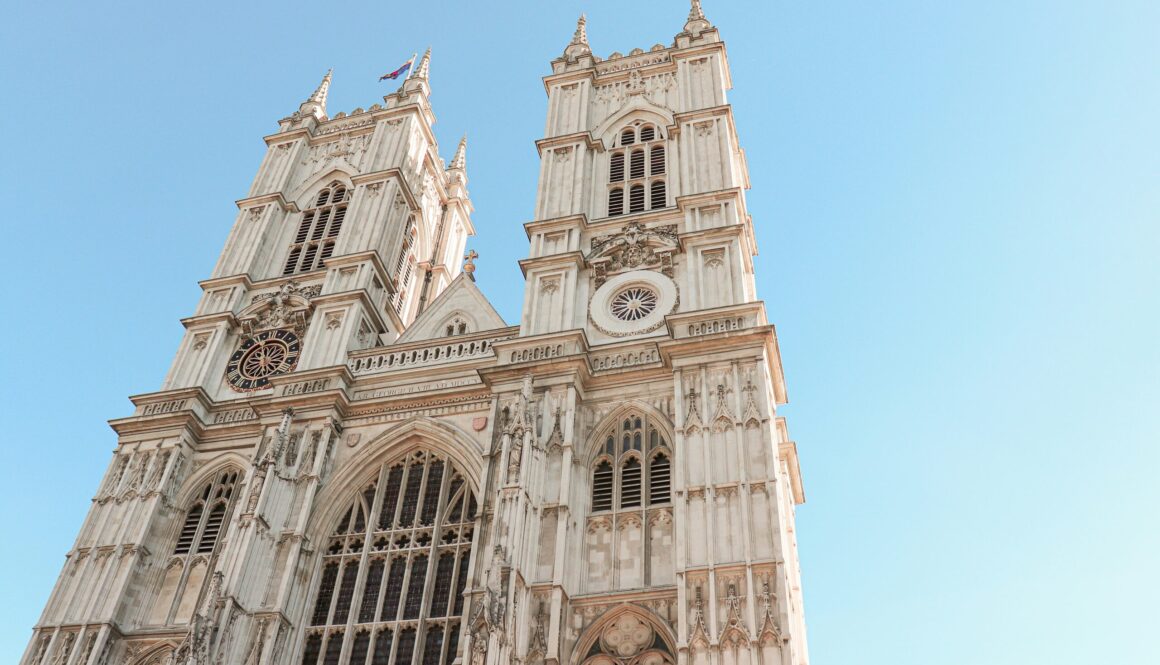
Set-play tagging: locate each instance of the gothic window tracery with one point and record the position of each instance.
(641, 157)
(394, 571)
(633, 470)
(197, 543)
(314, 241)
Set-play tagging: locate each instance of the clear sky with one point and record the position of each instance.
(956, 207)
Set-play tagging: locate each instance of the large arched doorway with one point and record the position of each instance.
(390, 590)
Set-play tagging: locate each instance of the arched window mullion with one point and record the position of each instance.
(413, 607)
(370, 525)
(432, 564)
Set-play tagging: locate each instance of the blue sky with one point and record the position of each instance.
(956, 209)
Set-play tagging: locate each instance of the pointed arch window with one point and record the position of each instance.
(206, 517)
(317, 232)
(198, 542)
(637, 165)
(390, 591)
(633, 469)
(404, 269)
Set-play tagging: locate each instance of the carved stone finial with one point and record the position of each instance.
(459, 161)
(579, 44)
(424, 68)
(469, 263)
(581, 35)
(316, 104)
(697, 22)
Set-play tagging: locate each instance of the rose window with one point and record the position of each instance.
(634, 303)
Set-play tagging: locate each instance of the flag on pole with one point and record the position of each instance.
(398, 72)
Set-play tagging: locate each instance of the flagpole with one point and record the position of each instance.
(411, 69)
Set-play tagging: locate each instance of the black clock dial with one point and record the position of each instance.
(260, 356)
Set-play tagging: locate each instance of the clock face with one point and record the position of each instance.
(266, 354)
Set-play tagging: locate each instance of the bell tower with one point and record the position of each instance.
(351, 226)
(640, 210)
(645, 513)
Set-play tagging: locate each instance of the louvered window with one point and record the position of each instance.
(198, 543)
(602, 484)
(633, 469)
(314, 241)
(657, 160)
(636, 164)
(200, 531)
(616, 168)
(615, 202)
(636, 198)
(658, 481)
(644, 165)
(407, 607)
(657, 195)
(189, 530)
(630, 477)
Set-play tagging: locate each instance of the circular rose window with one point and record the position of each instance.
(634, 303)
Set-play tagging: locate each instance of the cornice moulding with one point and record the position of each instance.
(272, 197)
(562, 260)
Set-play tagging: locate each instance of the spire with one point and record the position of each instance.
(422, 70)
(459, 161)
(579, 44)
(697, 22)
(581, 36)
(316, 104)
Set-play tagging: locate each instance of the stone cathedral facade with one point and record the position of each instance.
(355, 460)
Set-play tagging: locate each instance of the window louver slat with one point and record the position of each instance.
(636, 199)
(657, 196)
(636, 164)
(616, 202)
(188, 530)
(630, 477)
(657, 160)
(213, 527)
(616, 168)
(659, 480)
(602, 487)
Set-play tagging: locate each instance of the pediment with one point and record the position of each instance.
(460, 303)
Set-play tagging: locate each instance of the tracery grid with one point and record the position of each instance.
(393, 574)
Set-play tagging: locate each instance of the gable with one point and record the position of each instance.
(461, 303)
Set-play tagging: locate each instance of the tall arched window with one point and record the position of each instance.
(632, 471)
(404, 270)
(197, 543)
(320, 225)
(394, 571)
(644, 152)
